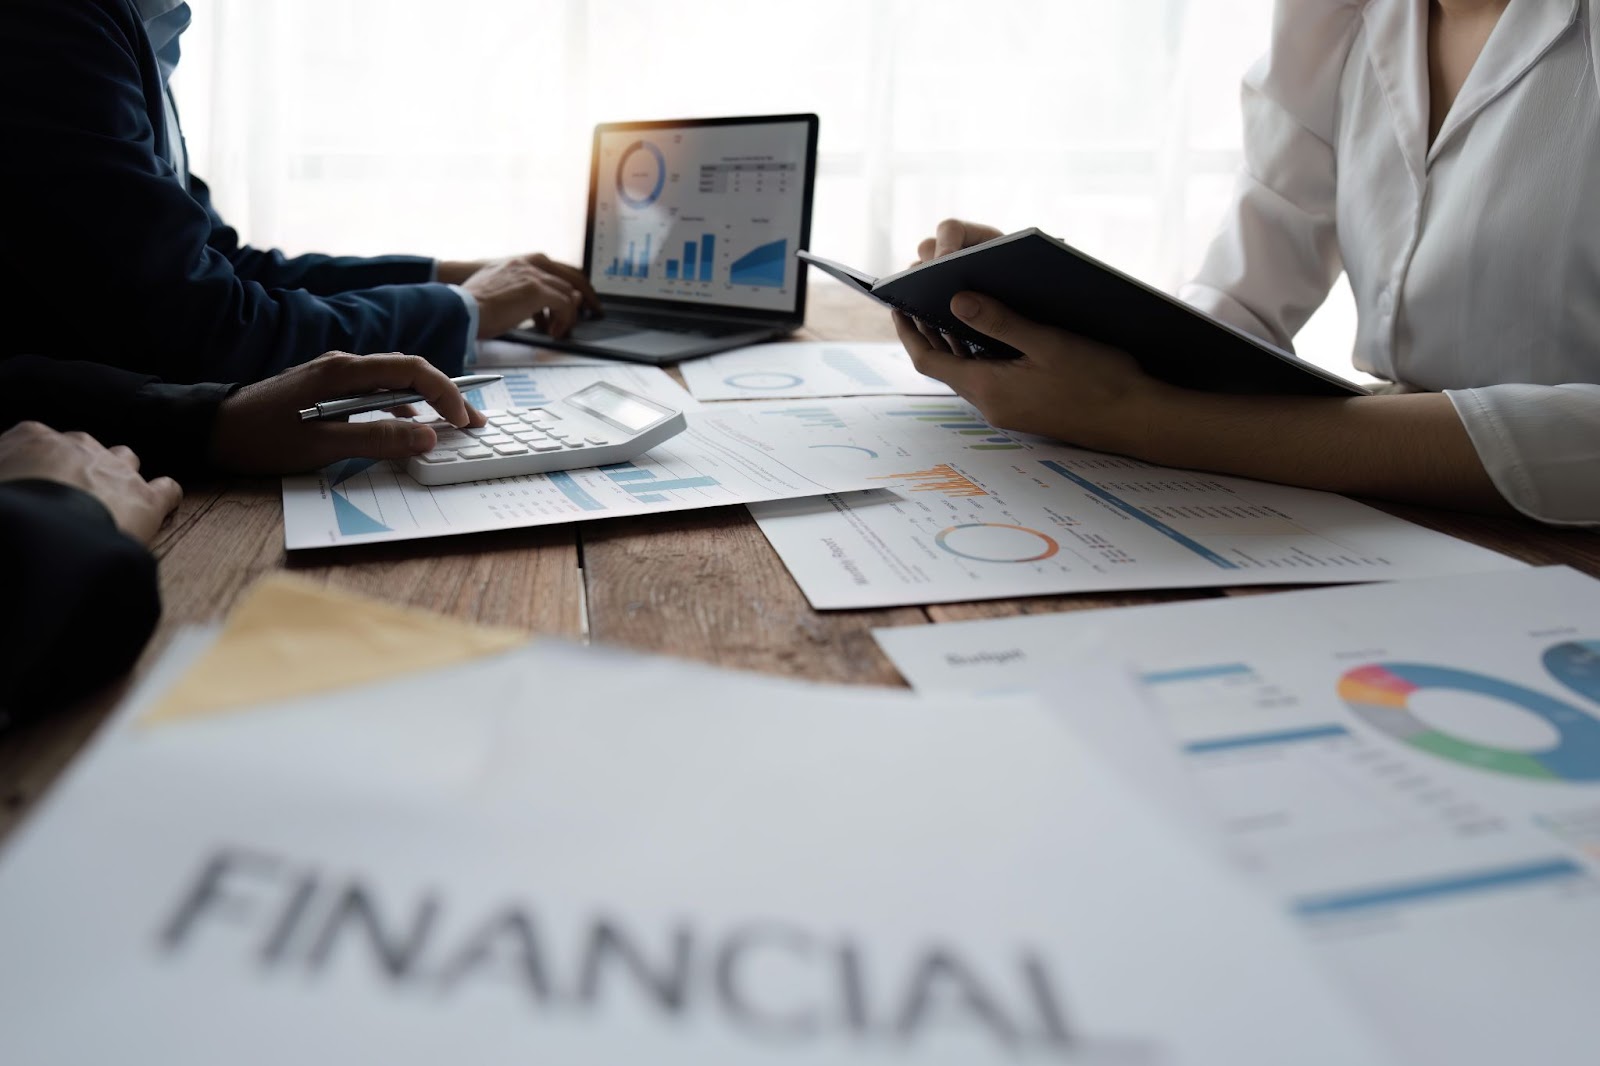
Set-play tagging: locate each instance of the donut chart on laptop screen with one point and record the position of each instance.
(708, 213)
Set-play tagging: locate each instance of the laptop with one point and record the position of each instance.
(692, 233)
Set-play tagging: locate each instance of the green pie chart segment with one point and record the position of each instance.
(1380, 694)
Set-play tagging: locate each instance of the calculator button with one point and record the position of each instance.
(494, 438)
(485, 431)
(476, 452)
(527, 437)
(516, 412)
(439, 457)
(545, 446)
(572, 443)
(511, 449)
(595, 440)
(492, 412)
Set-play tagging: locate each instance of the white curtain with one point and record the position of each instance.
(462, 129)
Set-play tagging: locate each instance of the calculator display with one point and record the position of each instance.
(619, 408)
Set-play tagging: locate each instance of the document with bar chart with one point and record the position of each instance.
(722, 458)
(808, 370)
(968, 512)
(1413, 769)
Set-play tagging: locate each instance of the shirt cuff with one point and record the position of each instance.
(472, 321)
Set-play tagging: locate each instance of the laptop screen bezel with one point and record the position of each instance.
(753, 314)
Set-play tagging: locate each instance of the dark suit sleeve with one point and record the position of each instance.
(81, 597)
(324, 275)
(169, 426)
(104, 244)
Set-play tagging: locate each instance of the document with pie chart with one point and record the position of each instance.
(969, 512)
(1412, 769)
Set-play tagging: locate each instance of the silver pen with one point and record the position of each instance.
(382, 401)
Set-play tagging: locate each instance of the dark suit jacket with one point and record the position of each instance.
(106, 252)
(80, 597)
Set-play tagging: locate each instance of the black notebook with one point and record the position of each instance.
(1051, 282)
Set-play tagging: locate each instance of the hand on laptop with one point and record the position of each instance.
(258, 429)
(511, 291)
(31, 451)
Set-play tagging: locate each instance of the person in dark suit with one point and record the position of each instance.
(87, 467)
(107, 237)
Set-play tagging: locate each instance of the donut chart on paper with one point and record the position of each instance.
(1380, 695)
(996, 542)
(1576, 664)
(764, 380)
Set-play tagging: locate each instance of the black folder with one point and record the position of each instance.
(1053, 283)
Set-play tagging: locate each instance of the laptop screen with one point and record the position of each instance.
(707, 212)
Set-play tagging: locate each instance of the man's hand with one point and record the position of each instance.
(1064, 386)
(258, 428)
(110, 475)
(512, 291)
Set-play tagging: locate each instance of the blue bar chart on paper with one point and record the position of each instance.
(765, 265)
(647, 488)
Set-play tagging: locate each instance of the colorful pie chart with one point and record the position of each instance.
(1380, 694)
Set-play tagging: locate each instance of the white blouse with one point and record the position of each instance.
(1475, 261)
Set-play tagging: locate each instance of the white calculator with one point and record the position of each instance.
(596, 426)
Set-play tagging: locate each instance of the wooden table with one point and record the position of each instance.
(699, 584)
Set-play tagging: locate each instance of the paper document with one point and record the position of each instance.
(806, 369)
(568, 855)
(724, 457)
(968, 512)
(1413, 769)
(493, 354)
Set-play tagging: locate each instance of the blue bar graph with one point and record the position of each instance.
(645, 486)
(689, 250)
(708, 245)
(763, 266)
(644, 263)
(672, 270)
(1258, 740)
(627, 267)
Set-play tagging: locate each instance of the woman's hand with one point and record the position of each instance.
(1064, 386)
(258, 429)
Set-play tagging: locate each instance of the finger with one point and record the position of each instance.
(994, 319)
(126, 455)
(575, 278)
(387, 438)
(562, 306)
(405, 410)
(926, 249)
(950, 236)
(168, 494)
(358, 374)
(932, 359)
(476, 418)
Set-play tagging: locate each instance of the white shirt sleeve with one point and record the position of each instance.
(1540, 445)
(1277, 254)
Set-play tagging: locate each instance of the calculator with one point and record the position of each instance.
(596, 426)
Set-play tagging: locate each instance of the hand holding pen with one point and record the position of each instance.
(264, 428)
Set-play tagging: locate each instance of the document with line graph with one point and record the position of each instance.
(723, 458)
(967, 512)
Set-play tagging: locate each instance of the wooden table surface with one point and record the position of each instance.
(704, 585)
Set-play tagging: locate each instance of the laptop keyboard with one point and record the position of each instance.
(617, 327)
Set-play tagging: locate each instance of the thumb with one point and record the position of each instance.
(386, 438)
(994, 319)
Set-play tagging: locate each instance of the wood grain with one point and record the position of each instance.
(705, 585)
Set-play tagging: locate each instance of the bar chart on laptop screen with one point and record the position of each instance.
(708, 213)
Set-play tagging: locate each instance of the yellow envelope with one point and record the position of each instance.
(289, 637)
